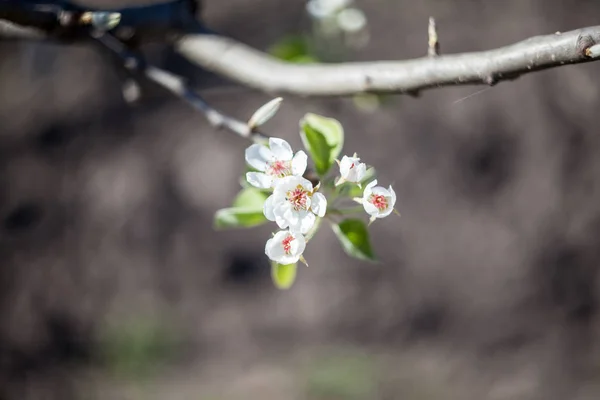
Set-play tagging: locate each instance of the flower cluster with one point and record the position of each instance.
(295, 205)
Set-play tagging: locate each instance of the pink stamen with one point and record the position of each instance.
(379, 201)
(279, 168)
(287, 244)
(298, 198)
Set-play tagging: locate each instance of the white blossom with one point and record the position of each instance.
(326, 8)
(351, 170)
(294, 204)
(285, 247)
(274, 162)
(378, 201)
(352, 20)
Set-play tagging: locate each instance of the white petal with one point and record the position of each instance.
(302, 224)
(299, 244)
(306, 184)
(345, 166)
(307, 223)
(370, 208)
(385, 213)
(361, 171)
(273, 248)
(369, 189)
(299, 163)
(285, 260)
(290, 183)
(277, 252)
(268, 247)
(259, 180)
(281, 149)
(268, 208)
(281, 211)
(257, 156)
(319, 204)
(379, 190)
(392, 197)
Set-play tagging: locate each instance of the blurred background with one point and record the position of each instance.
(116, 286)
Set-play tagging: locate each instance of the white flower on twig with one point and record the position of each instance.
(285, 247)
(274, 162)
(294, 204)
(378, 201)
(351, 170)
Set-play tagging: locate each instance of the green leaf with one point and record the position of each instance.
(250, 198)
(247, 210)
(354, 237)
(283, 275)
(323, 138)
(238, 218)
(293, 49)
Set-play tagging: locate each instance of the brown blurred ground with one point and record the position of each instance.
(489, 283)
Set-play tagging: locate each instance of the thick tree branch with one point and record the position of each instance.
(256, 69)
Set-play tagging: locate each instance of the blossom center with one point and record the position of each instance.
(280, 168)
(298, 198)
(379, 201)
(287, 244)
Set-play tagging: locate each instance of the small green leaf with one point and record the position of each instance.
(283, 275)
(238, 218)
(354, 237)
(247, 210)
(250, 198)
(292, 49)
(323, 138)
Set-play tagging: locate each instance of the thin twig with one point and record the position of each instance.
(8, 30)
(433, 48)
(250, 67)
(179, 87)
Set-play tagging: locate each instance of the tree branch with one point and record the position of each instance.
(9, 30)
(256, 69)
(178, 86)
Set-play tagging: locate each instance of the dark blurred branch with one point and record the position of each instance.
(256, 69)
(64, 20)
(8, 30)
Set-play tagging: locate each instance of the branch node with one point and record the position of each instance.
(491, 80)
(593, 51)
(584, 43)
(368, 83)
(434, 45)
